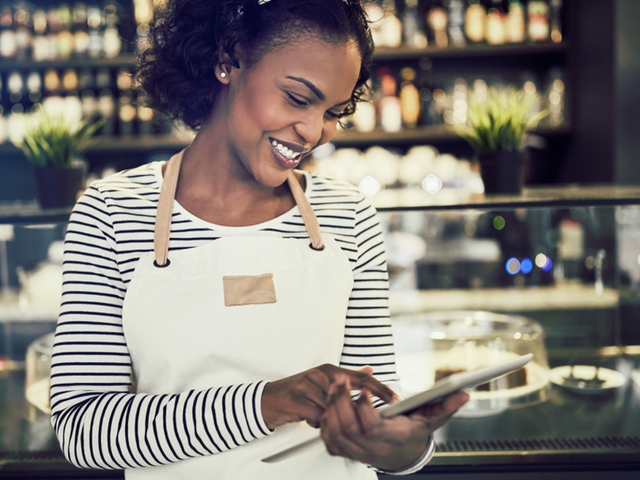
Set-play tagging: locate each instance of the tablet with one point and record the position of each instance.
(438, 391)
(454, 383)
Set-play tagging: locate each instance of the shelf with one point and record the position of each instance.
(31, 213)
(125, 60)
(558, 196)
(431, 134)
(507, 50)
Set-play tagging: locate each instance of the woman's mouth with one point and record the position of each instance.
(288, 154)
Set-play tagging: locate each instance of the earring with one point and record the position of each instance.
(223, 74)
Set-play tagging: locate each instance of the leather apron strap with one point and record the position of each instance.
(162, 229)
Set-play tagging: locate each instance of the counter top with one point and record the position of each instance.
(568, 429)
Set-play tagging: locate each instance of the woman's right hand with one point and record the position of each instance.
(303, 396)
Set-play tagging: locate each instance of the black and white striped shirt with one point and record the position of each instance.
(98, 421)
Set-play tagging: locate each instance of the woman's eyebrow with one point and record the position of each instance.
(316, 91)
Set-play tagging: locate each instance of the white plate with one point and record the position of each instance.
(612, 378)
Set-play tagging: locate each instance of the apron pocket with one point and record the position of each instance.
(249, 290)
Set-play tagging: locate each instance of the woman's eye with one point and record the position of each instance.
(296, 101)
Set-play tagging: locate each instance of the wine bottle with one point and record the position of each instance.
(409, 98)
(412, 31)
(39, 43)
(65, 37)
(95, 22)
(475, 19)
(112, 44)
(22, 23)
(389, 104)
(437, 19)
(556, 21)
(538, 20)
(495, 24)
(53, 30)
(7, 33)
(456, 23)
(515, 22)
(80, 30)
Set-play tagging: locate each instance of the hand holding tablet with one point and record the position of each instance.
(436, 393)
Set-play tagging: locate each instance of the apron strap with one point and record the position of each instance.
(308, 215)
(162, 229)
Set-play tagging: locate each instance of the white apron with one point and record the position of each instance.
(182, 336)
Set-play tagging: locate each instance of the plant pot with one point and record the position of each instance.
(503, 172)
(58, 187)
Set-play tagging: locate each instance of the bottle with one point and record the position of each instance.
(390, 111)
(39, 43)
(425, 86)
(51, 82)
(146, 114)
(412, 32)
(456, 23)
(34, 85)
(7, 33)
(437, 19)
(495, 24)
(53, 30)
(111, 42)
(364, 118)
(391, 25)
(515, 23)
(106, 108)
(22, 23)
(103, 78)
(475, 19)
(126, 113)
(94, 22)
(409, 98)
(89, 104)
(556, 101)
(15, 86)
(538, 20)
(79, 30)
(65, 37)
(70, 80)
(85, 79)
(556, 21)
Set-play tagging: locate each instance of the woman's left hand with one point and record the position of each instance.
(356, 430)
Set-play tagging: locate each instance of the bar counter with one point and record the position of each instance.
(568, 436)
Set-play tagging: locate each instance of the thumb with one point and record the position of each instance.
(366, 369)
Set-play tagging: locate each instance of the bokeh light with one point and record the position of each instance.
(499, 222)
(526, 266)
(369, 186)
(512, 266)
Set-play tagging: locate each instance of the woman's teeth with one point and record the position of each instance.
(284, 151)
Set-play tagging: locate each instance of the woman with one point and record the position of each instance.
(245, 301)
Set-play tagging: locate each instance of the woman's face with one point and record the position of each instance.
(287, 104)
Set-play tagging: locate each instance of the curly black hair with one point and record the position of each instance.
(177, 72)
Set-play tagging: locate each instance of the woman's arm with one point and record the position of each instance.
(99, 423)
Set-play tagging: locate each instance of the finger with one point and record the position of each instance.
(368, 369)
(368, 416)
(360, 380)
(340, 424)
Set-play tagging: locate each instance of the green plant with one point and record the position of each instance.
(52, 140)
(501, 122)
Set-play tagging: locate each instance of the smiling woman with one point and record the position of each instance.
(199, 332)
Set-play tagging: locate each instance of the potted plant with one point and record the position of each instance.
(497, 129)
(54, 145)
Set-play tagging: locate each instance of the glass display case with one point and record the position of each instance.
(473, 279)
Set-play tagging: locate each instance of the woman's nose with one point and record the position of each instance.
(311, 128)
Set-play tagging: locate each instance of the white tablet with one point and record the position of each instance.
(438, 391)
(455, 383)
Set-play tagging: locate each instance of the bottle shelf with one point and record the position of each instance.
(348, 138)
(422, 135)
(482, 50)
(125, 60)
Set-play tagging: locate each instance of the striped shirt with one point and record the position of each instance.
(99, 422)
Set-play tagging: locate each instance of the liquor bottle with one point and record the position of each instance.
(126, 113)
(495, 24)
(79, 30)
(364, 118)
(412, 31)
(106, 108)
(3, 126)
(65, 37)
(7, 33)
(112, 44)
(390, 111)
(538, 20)
(70, 80)
(515, 23)
(89, 104)
(456, 23)
(39, 43)
(437, 19)
(409, 98)
(556, 21)
(146, 114)
(51, 82)
(53, 30)
(94, 22)
(475, 19)
(22, 23)
(15, 86)
(391, 25)
(34, 85)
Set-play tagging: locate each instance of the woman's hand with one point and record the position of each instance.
(357, 431)
(304, 396)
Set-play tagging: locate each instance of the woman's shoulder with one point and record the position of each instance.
(143, 177)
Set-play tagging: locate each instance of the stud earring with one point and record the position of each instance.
(223, 74)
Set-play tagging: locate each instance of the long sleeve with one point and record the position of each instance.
(368, 335)
(98, 421)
